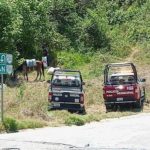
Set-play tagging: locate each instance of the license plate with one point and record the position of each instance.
(120, 99)
(76, 100)
(56, 104)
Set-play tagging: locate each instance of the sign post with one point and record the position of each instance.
(5, 68)
(2, 118)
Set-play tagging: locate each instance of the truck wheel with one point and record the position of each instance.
(82, 111)
(108, 107)
(144, 97)
(139, 104)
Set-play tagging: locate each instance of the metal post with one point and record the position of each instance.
(2, 98)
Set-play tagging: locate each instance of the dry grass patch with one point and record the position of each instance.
(28, 103)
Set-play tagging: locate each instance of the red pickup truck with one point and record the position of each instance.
(122, 86)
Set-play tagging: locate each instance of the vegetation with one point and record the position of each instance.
(10, 125)
(80, 34)
(89, 26)
(74, 120)
(29, 107)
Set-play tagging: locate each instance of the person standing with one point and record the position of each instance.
(46, 57)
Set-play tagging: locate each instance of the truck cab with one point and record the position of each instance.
(122, 85)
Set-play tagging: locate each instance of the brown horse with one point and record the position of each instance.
(25, 68)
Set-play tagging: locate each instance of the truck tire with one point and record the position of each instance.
(82, 111)
(109, 107)
(139, 104)
(144, 97)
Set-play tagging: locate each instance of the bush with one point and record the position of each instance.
(72, 59)
(74, 120)
(10, 125)
(2, 128)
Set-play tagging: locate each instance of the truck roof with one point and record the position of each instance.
(122, 74)
(120, 64)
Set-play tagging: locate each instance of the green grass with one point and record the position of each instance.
(72, 60)
(82, 119)
(75, 120)
(30, 123)
(11, 124)
(143, 57)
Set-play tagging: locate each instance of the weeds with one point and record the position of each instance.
(75, 120)
(13, 125)
(72, 60)
(25, 124)
(2, 128)
(10, 125)
(21, 91)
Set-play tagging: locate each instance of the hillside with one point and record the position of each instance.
(83, 35)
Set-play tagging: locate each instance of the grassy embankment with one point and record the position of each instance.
(26, 105)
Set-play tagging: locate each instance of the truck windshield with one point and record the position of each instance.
(122, 79)
(66, 81)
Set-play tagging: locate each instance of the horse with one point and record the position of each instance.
(26, 66)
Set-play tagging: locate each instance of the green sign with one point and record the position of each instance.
(5, 63)
(5, 58)
(6, 69)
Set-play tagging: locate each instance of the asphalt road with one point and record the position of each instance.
(127, 133)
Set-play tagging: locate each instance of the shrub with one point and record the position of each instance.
(10, 125)
(74, 120)
(21, 91)
(2, 128)
(72, 59)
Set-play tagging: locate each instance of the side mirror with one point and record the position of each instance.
(143, 80)
(83, 83)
